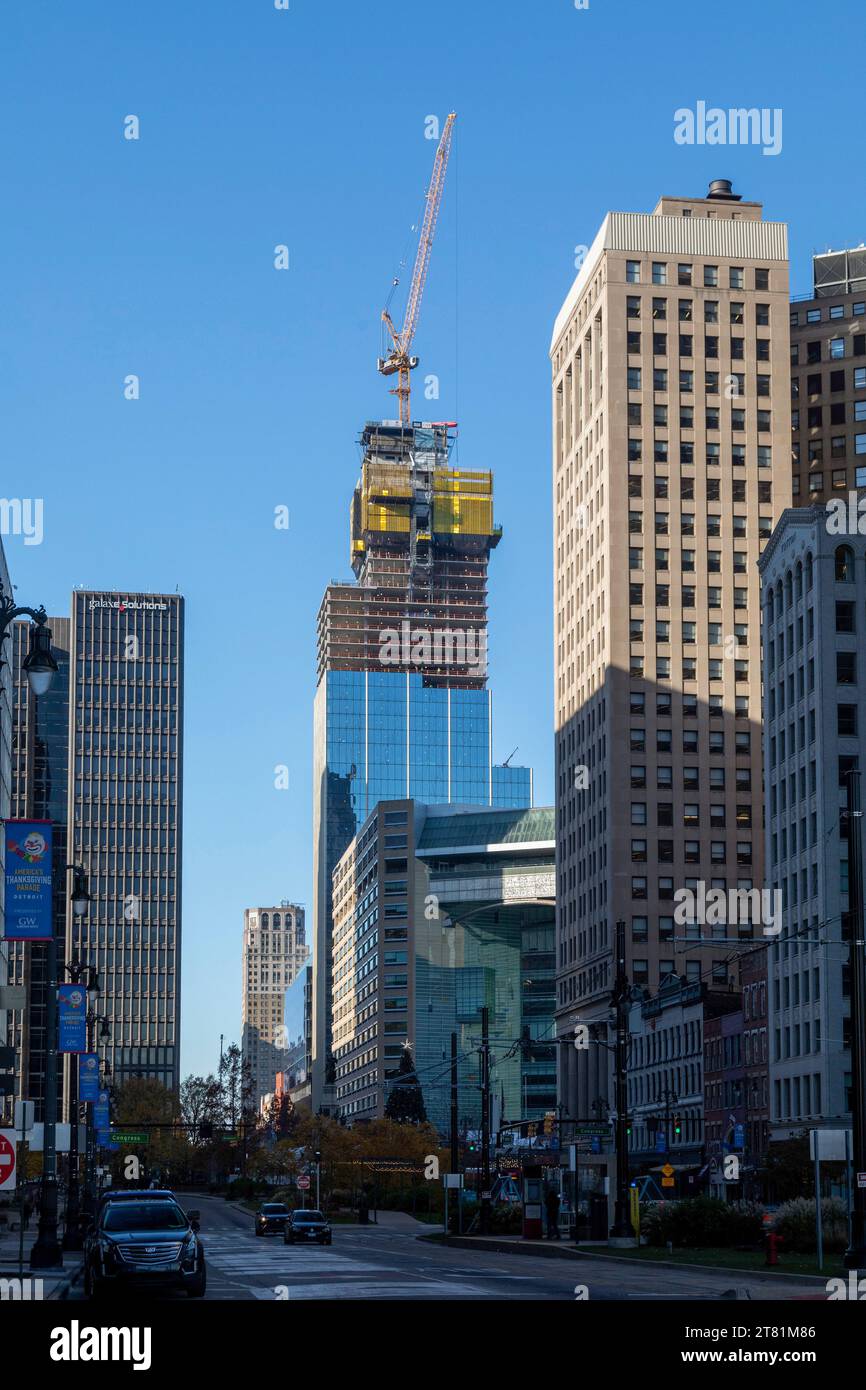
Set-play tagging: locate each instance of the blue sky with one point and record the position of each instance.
(305, 127)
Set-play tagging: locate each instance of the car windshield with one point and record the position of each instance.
(144, 1216)
(275, 1209)
(308, 1216)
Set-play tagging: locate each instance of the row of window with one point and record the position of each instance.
(834, 311)
(711, 452)
(685, 346)
(835, 349)
(735, 382)
(661, 489)
(685, 310)
(708, 275)
(715, 747)
(763, 418)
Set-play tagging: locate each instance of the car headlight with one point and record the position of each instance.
(188, 1251)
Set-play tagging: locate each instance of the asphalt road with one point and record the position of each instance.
(375, 1263)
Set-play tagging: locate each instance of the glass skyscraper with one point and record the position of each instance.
(420, 724)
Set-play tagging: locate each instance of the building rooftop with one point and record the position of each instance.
(487, 830)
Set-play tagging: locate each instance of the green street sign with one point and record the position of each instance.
(129, 1136)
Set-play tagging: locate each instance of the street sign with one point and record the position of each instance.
(592, 1131)
(661, 1141)
(667, 1169)
(7, 1159)
(861, 1179)
(130, 1136)
(303, 1183)
(25, 1114)
(667, 1182)
(452, 1179)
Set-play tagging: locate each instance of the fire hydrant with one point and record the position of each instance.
(773, 1243)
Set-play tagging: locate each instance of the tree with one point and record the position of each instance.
(405, 1103)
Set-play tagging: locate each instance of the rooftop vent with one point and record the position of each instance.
(720, 189)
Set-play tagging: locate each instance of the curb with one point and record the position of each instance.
(579, 1252)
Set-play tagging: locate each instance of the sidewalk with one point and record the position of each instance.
(55, 1283)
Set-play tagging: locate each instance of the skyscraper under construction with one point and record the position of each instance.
(402, 707)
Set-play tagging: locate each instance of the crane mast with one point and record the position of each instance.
(399, 361)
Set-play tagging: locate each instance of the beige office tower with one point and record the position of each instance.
(671, 461)
(275, 949)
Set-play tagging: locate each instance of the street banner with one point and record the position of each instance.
(72, 1006)
(101, 1120)
(88, 1077)
(28, 880)
(7, 1159)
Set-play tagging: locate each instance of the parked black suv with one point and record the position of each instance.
(270, 1217)
(149, 1243)
(305, 1225)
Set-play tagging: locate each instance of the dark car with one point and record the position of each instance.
(271, 1217)
(148, 1243)
(135, 1194)
(305, 1225)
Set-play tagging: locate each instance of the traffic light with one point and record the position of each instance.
(317, 1155)
(678, 1128)
(549, 1122)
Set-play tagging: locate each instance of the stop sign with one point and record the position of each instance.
(7, 1158)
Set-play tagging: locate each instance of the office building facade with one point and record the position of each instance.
(828, 380)
(438, 911)
(814, 602)
(274, 951)
(671, 459)
(125, 819)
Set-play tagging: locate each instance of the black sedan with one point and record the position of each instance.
(271, 1218)
(305, 1225)
(150, 1244)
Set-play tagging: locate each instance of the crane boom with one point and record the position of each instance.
(399, 359)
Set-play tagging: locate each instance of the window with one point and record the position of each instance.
(659, 273)
(634, 379)
(737, 280)
(684, 275)
(837, 348)
(846, 668)
(762, 278)
(632, 272)
(711, 275)
(632, 306)
(660, 310)
(844, 564)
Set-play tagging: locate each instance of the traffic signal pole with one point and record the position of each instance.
(485, 1122)
(621, 1231)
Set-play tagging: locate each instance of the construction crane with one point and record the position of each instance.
(399, 360)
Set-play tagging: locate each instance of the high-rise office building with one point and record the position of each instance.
(125, 816)
(274, 950)
(402, 709)
(671, 459)
(828, 379)
(814, 598)
(439, 911)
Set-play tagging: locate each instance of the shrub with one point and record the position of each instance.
(702, 1223)
(795, 1223)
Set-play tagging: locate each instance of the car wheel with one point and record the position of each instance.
(197, 1286)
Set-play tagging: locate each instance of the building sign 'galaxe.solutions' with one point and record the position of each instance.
(27, 902)
(121, 605)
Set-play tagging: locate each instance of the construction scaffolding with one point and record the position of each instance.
(421, 536)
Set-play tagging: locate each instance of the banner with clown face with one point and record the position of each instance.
(28, 880)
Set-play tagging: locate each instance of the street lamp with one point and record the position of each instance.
(104, 1033)
(72, 1239)
(40, 666)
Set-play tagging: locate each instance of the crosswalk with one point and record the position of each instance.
(269, 1269)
